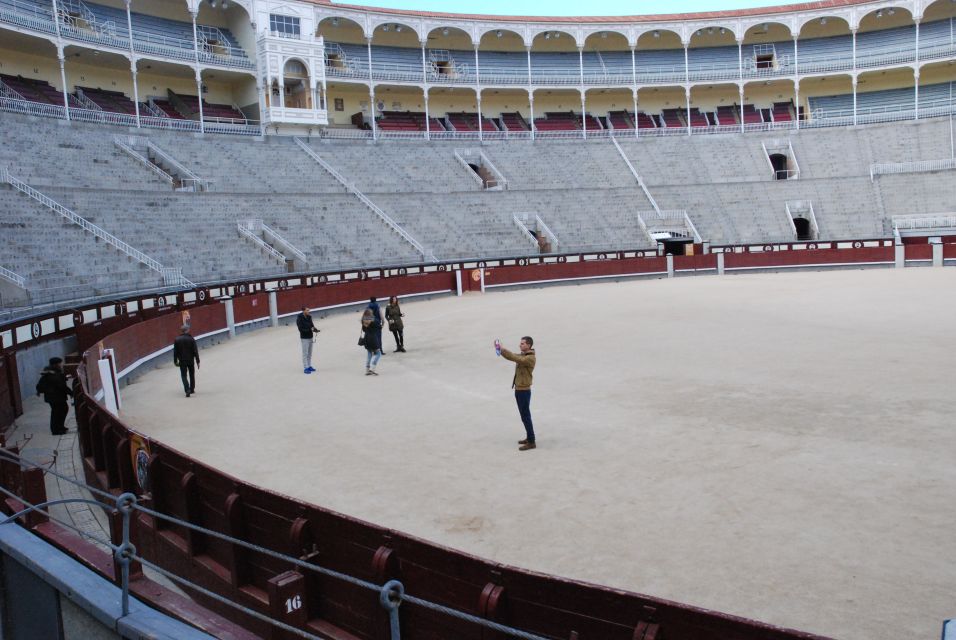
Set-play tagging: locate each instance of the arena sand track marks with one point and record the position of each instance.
(777, 446)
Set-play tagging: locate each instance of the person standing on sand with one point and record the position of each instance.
(524, 367)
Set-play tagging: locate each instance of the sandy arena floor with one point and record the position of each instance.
(776, 446)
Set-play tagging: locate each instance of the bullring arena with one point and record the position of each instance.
(768, 445)
(730, 234)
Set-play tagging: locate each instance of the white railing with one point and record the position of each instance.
(637, 176)
(544, 228)
(249, 228)
(921, 166)
(86, 225)
(8, 93)
(28, 14)
(85, 102)
(30, 108)
(185, 176)
(689, 225)
(125, 143)
(104, 117)
(277, 237)
(925, 221)
(15, 278)
(525, 231)
(467, 167)
(350, 187)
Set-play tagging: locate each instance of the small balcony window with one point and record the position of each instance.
(284, 26)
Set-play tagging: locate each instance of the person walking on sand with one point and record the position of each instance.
(186, 357)
(524, 366)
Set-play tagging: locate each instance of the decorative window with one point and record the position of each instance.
(339, 104)
(284, 26)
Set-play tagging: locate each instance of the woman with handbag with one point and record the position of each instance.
(371, 340)
(393, 314)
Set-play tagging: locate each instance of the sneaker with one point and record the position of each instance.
(369, 372)
(526, 446)
(310, 369)
(373, 372)
(307, 370)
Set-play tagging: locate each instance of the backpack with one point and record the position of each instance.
(42, 384)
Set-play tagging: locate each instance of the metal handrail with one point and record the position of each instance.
(189, 175)
(126, 146)
(920, 166)
(637, 176)
(15, 278)
(281, 240)
(86, 225)
(350, 187)
(525, 230)
(542, 226)
(248, 228)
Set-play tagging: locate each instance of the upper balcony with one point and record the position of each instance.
(107, 27)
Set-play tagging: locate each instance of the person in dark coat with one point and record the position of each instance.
(394, 315)
(372, 340)
(377, 312)
(55, 390)
(307, 331)
(186, 357)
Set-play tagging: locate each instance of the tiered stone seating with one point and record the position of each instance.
(673, 117)
(168, 109)
(36, 90)
(782, 112)
(401, 121)
(727, 116)
(621, 119)
(210, 110)
(469, 122)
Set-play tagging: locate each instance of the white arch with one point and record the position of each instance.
(843, 17)
(574, 34)
(378, 21)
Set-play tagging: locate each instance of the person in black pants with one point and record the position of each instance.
(186, 357)
(394, 315)
(55, 390)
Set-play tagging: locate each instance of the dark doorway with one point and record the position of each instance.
(779, 162)
(676, 246)
(804, 232)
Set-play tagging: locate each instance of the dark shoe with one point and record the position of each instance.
(187, 394)
(192, 391)
(526, 446)
(60, 433)
(368, 372)
(402, 348)
(525, 441)
(397, 350)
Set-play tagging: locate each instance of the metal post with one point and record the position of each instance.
(428, 127)
(796, 81)
(371, 110)
(741, 107)
(480, 127)
(634, 85)
(531, 106)
(740, 59)
(853, 80)
(66, 99)
(132, 61)
(424, 65)
(916, 94)
(202, 121)
(56, 22)
(371, 88)
(687, 96)
(637, 121)
(584, 118)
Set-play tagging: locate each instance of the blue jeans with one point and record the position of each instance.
(369, 361)
(523, 398)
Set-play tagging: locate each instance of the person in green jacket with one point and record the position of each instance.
(524, 367)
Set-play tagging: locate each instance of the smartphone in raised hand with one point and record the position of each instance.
(497, 347)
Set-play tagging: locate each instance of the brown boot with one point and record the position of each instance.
(525, 441)
(526, 446)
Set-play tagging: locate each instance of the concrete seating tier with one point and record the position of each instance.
(36, 90)
(112, 101)
(514, 122)
(469, 122)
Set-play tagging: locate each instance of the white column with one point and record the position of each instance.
(371, 110)
(740, 58)
(796, 81)
(202, 122)
(281, 92)
(428, 124)
(531, 106)
(56, 22)
(687, 92)
(481, 134)
(853, 80)
(581, 64)
(741, 107)
(132, 61)
(636, 119)
(796, 100)
(916, 94)
(424, 64)
(66, 99)
(686, 65)
(529, 68)
(135, 90)
(273, 310)
(853, 33)
(584, 118)
(371, 88)
(478, 102)
(262, 103)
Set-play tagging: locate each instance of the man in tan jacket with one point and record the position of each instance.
(524, 366)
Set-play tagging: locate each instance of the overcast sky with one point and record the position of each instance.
(569, 7)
